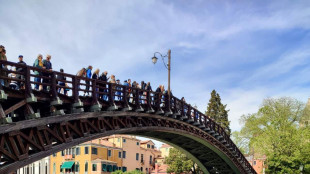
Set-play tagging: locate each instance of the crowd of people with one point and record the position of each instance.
(42, 79)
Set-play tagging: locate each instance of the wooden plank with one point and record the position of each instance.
(2, 113)
(14, 107)
(29, 109)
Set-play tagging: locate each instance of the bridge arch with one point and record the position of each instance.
(42, 123)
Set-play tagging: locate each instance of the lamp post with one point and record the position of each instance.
(168, 66)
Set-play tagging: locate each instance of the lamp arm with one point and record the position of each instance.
(162, 58)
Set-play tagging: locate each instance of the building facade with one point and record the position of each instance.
(93, 157)
(139, 155)
(39, 167)
(258, 163)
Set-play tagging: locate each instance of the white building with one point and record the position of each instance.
(38, 167)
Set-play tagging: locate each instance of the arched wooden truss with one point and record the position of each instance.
(36, 124)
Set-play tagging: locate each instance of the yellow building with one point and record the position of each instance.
(93, 157)
(139, 155)
(165, 149)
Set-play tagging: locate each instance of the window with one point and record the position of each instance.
(138, 143)
(54, 154)
(63, 153)
(148, 146)
(94, 151)
(109, 153)
(86, 166)
(124, 154)
(254, 163)
(124, 169)
(124, 140)
(103, 167)
(141, 158)
(68, 152)
(94, 167)
(153, 146)
(77, 151)
(141, 169)
(137, 156)
(119, 154)
(151, 159)
(86, 150)
(77, 167)
(54, 168)
(45, 168)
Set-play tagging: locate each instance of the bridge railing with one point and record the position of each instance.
(112, 93)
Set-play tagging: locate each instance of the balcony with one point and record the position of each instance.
(69, 157)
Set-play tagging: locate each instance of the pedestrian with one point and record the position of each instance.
(3, 67)
(22, 71)
(141, 93)
(158, 94)
(148, 86)
(184, 105)
(61, 78)
(95, 76)
(80, 73)
(134, 86)
(48, 66)
(129, 90)
(103, 86)
(38, 64)
(88, 75)
(118, 90)
(112, 81)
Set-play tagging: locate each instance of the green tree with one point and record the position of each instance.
(241, 142)
(180, 163)
(275, 131)
(217, 111)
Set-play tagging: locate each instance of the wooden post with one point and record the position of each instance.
(94, 91)
(28, 88)
(53, 85)
(111, 96)
(75, 90)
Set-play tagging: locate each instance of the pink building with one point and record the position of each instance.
(137, 155)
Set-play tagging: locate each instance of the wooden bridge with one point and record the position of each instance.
(35, 124)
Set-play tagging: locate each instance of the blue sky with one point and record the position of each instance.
(246, 50)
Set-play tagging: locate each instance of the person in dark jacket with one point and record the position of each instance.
(48, 66)
(22, 70)
(103, 87)
(158, 94)
(134, 85)
(95, 76)
(148, 86)
(118, 91)
(60, 78)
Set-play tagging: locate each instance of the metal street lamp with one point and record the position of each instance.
(168, 66)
